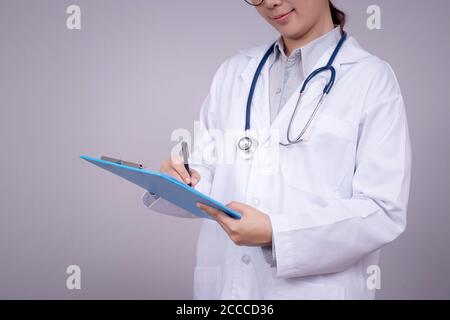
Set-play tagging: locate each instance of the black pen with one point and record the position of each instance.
(184, 150)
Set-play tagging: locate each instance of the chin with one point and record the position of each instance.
(293, 33)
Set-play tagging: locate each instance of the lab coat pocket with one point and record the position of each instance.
(298, 289)
(327, 124)
(207, 283)
(319, 164)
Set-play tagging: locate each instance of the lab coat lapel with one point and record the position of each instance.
(260, 113)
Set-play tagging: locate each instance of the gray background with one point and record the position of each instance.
(136, 71)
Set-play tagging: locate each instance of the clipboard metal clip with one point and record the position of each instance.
(123, 162)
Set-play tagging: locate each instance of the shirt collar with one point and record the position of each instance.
(311, 53)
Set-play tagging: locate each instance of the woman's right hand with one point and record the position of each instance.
(175, 168)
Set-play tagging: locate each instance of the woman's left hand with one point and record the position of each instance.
(253, 229)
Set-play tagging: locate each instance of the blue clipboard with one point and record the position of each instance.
(164, 186)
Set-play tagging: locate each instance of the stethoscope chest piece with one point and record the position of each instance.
(246, 147)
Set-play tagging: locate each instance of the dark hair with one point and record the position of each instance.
(337, 15)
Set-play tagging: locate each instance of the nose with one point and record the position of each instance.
(272, 3)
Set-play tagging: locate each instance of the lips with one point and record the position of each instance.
(281, 16)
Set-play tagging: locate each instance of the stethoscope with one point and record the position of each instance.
(248, 144)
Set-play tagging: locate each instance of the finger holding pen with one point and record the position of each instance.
(185, 152)
(175, 168)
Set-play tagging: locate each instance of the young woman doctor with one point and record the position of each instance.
(312, 229)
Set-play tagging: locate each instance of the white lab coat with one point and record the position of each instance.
(335, 200)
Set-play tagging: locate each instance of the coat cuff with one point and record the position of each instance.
(269, 254)
(282, 246)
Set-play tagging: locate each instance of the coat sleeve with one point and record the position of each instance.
(201, 159)
(333, 236)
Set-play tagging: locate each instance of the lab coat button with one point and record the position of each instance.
(245, 259)
(256, 201)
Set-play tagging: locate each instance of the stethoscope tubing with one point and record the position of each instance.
(328, 67)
